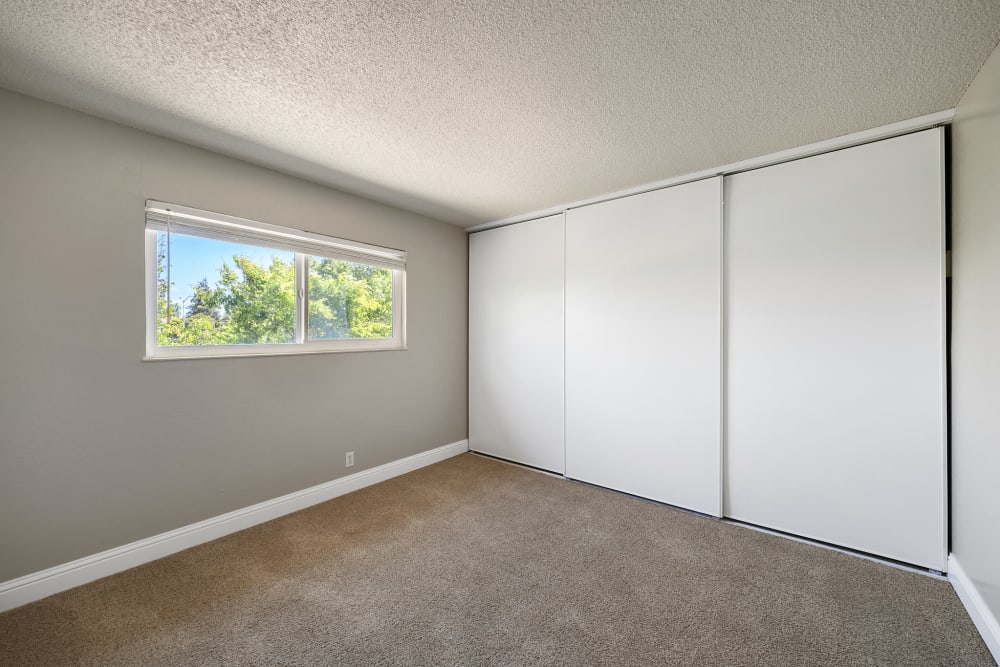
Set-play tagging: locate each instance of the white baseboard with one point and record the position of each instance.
(38, 585)
(981, 615)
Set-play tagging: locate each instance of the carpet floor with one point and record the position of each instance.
(475, 562)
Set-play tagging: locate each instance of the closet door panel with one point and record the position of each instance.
(835, 348)
(516, 343)
(643, 345)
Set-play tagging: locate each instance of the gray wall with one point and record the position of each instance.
(976, 333)
(98, 448)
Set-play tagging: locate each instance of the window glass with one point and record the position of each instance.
(221, 293)
(218, 285)
(349, 300)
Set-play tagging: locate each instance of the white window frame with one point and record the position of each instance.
(205, 224)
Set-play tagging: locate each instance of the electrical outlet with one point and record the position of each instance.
(349, 462)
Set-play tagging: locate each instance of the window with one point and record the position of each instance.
(223, 286)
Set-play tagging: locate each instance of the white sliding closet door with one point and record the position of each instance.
(835, 348)
(516, 343)
(643, 345)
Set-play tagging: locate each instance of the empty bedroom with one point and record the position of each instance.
(471, 333)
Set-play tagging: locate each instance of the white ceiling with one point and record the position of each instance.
(474, 110)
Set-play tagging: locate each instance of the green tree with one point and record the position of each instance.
(203, 324)
(166, 312)
(251, 303)
(194, 330)
(348, 300)
(205, 301)
(259, 302)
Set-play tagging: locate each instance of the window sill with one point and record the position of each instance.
(180, 355)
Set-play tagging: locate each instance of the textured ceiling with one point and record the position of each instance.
(473, 110)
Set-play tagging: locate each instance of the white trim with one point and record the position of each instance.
(301, 277)
(945, 516)
(163, 353)
(982, 617)
(187, 220)
(723, 323)
(564, 257)
(826, 146)
(38, 585)
(243, 351)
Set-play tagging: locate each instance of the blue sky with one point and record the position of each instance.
(192, 259)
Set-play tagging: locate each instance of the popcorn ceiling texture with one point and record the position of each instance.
(473, 110)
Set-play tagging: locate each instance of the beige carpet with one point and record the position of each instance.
(475, 562)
